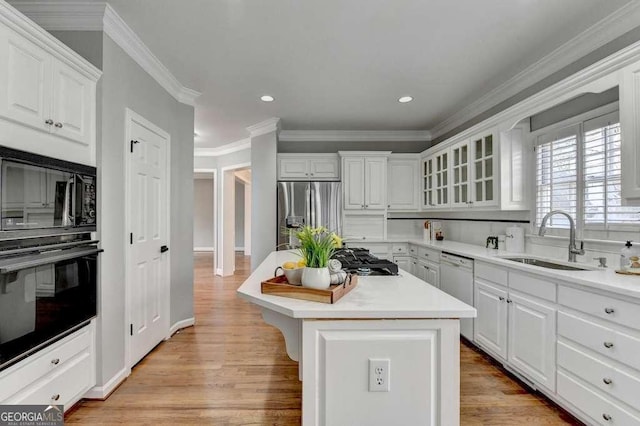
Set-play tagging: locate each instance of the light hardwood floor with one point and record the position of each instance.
(232, 369)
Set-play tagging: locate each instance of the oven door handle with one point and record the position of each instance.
(46, 259)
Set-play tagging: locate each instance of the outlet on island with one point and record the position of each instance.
(379, 375)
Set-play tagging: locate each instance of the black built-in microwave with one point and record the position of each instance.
(42, 196)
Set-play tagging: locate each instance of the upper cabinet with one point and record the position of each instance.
(466, 173)
(403, 182)
(47, 97)
(364, 180)
(630, 124)
(308, 167)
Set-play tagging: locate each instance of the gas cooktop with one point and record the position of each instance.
(360, 261)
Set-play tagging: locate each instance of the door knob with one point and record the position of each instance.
(58, 125)
(48, 121)
(164, 249)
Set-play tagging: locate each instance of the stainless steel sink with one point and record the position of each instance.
(546, 264)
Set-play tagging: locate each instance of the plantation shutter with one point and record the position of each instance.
(602, 173)
(556, 175)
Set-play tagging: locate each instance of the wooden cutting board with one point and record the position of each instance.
(618, 271)
(278, 286)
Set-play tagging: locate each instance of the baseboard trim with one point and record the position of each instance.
(180, 325)
(203, 249)
(219, 271)
(103, 392)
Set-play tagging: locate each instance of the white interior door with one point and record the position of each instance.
(147, 280)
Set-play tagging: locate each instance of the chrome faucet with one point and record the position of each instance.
(573, 250)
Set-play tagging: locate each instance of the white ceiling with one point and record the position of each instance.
(342, 64)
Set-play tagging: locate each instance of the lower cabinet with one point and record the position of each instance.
(532, 339)
(490, 326)
(430, 272)
(403, 262)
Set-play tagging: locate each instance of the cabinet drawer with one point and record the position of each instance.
(532, 285)
(609, 308)
(598, 373)
(413, 250)
(491, 273)
(607, 341)
(400, 249)
(593, 404)
(63, 387)
(429, 254)
(42, 363)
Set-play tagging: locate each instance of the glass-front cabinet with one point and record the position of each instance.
(484, 174)
(460, 170)
(441, 184)
(427, 183)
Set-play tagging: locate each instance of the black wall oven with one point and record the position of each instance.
(44, 196)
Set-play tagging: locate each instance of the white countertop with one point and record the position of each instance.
(604, 279)
(380, 297)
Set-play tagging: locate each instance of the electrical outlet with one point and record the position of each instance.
(379, 377)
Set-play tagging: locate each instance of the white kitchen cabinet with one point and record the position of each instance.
(428, 181)
(403, 182)
(441, 179)
(483, 170)
(490, 326)
(630, 124)
(460, 188)
(403, 262)
(532, 338)
(47, 94)
(429, 272)
(364, 180)
(308, 167)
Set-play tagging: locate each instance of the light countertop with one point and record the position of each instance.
(375, 297)
(604, 279)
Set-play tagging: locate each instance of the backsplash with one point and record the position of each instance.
(474, 232)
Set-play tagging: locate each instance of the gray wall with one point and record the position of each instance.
(124, 84)
(239, 210)
(263, 194)
(203, 218)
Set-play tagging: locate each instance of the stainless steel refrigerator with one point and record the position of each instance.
(307, 203)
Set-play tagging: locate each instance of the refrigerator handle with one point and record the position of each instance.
(309, 206)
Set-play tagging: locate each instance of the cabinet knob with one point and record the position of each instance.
(366, 206)
(55, 361)
(609, 310)
(509, 301)
(608, 345)
(311, 174)
(501, 298)
(606, 416)
(58, 125)
(55, 397)
(48, 121)
(607, 381)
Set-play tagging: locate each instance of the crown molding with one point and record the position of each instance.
(354, 135)
(266, 126)
(229, 148)
(616, 24)
(27, 28)
(100, 16)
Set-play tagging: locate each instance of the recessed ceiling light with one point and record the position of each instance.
(267, 98)
(405, 99)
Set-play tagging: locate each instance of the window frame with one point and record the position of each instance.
(575, 122)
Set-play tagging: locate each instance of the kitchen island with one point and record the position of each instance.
(401, 323)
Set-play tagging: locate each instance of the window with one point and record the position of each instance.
(578, 170)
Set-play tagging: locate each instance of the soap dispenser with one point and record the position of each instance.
(625, 256)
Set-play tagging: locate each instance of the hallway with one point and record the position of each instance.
(232, 369)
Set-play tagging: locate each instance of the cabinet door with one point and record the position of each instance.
(460, 157)
(72, 110)
(375, 195)
(403, 262)
(490, 326)
(532, 339)
(324, 168)
(353, 175)
(484, 171)
(402, 191)
(441, 184)
(293, 169)
(630, 124)
(428, 177)
(25, 81)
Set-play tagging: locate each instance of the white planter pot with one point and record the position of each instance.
(318, 278)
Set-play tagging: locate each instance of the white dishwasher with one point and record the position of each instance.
(456, 279)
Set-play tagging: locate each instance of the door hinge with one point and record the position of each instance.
(133, 142)
(131, 329)
(131, 238)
